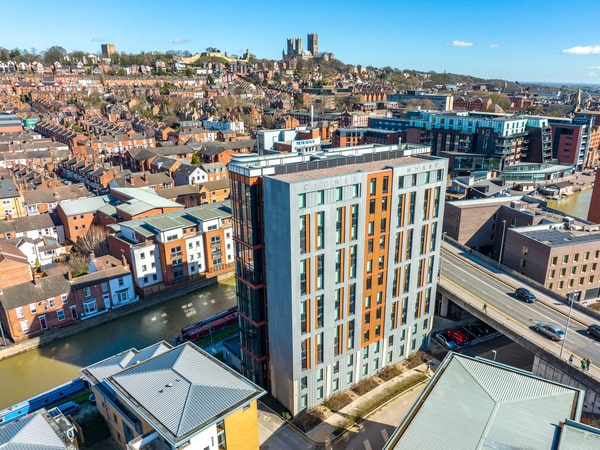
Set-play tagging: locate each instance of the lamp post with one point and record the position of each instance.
(502, 243)
(572, 296)
(494, 353)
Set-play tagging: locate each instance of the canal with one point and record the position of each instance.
(38, 370)
(576, 205)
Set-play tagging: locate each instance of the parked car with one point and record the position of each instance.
(594, 330)
(458, 337)
(554, 332)
(68, 408)
(446, 341)
(525, 295)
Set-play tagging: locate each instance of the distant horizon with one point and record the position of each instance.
(489, 40)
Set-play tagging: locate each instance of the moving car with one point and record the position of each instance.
(458, 337)
(445, 341)
(525, 295)
(594, 330)
(554, 332)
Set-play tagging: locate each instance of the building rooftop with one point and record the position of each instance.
(475, 403)
(183, 390)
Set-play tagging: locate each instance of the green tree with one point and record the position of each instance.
(195, 158)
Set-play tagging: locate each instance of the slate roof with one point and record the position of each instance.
(8, 189)
(217, 185)
(475, 403)
(25, 293)
(183, 391)
(102, 275)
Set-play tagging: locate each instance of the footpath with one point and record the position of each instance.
(332, 432)
(581, 317)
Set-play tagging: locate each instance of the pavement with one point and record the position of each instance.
(276, 433)
(543, 296)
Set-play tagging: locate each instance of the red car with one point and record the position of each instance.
(458, 337)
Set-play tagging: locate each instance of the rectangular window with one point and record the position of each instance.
(304, 354)
(19, 312)
(320, 271)
(319, 338)
(372, 186)
(302, 201)
(87, 292)
(303, 273)
(320, 197)
(354, 224)
(319, 308)
(303, 317)
(51, 303)
(32, 308)
(320, 230)
(60, 315)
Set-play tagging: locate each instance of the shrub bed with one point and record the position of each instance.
(365, 386)
(338, 401)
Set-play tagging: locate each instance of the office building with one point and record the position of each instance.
(336, 264)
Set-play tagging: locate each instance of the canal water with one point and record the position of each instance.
(38, 370)
(576, 205)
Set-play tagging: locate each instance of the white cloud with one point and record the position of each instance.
(457, 43)
(594, 68)
(98, 39)
(583, 50)
(178, 40)
(495, 46)
(592, 74)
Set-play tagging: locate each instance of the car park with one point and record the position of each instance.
(594, 330)
(525, 294)
(446, 341)
(458, 337)
(551, 330)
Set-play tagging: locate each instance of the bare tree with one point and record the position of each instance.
(96, 241)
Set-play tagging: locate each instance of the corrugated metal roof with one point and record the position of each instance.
(30, 433)
(183, 390)
(477, 404)
(116, 363)
(580, 437)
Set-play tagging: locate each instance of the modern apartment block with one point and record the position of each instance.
(482, 141)
(176, 247)
(174, 398)
(336, 263)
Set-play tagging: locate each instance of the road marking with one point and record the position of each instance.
(385, 435)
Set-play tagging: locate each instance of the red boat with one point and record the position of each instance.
(206, 327)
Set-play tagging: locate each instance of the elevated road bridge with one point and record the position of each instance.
(470, 282)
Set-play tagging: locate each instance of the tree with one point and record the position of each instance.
(195, 158)
(54, 54)
(95, 240)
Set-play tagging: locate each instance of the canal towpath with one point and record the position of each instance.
(49, 336)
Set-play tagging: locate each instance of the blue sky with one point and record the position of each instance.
(526, 40)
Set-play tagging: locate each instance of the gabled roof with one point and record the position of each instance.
(25, 293)
(85, 205)
(183, 391)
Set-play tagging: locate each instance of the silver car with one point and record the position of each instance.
(554, 332)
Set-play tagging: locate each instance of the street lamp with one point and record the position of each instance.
(494, 352)
(572, 297)
(502, 243)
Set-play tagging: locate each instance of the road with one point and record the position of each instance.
(478, 285)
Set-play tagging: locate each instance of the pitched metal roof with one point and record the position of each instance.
(478, 404)
(32, 432)
(183, 391)
(101, 370)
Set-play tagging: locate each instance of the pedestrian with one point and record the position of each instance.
(571, 358)
(484, 309)
(588, 363)
(583, 364)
